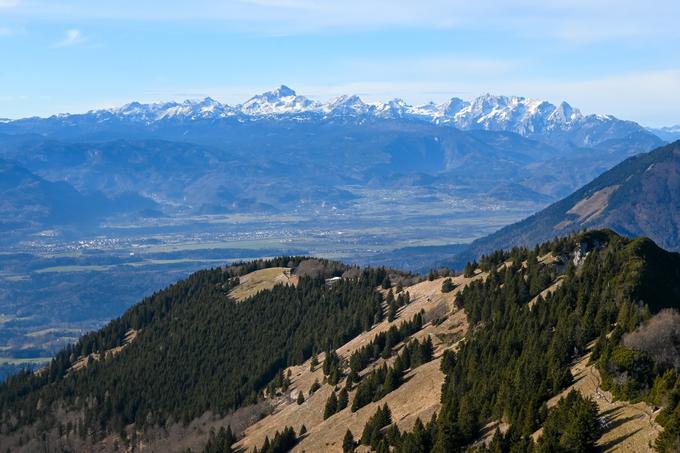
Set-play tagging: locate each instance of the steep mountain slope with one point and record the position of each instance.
(274, 166)
(270, 165)
(280, 151)
(417, 397)
(640, 196)
(29, 201)
(260, 166)
(369, 350)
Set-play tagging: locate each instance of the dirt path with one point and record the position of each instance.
(627, 426)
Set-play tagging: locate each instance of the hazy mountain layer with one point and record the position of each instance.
(639, 197)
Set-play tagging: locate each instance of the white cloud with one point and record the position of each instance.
(579, 21)
(8, 3)
(568, 26)
(5, 31)
(71, 38)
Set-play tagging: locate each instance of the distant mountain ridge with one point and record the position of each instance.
(638, 197)
(283, 152)
(27, 200)
(557, 124)
(669, 133)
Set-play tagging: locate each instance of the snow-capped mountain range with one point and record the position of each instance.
(559, 125)
(280, 150)
(524, 116)
(513, 113)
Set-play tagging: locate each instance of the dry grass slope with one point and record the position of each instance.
(627, 427)
(82, 362)
(418, 397)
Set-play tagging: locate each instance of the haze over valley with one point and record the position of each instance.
(311, 226)
(140, 195)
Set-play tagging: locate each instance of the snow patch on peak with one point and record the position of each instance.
(281, 101)
(396, 108)
(565, 114)
(430, 110)
(283, 92)
(524, 116)
(347, 105)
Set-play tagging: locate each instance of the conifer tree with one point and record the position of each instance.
(392, 381)
(469, 270)
(329, 362)
(382, 447)
(426, 350)
(391, 311)
(447, 285)
(335, 375)
(348, 444)
(331, 406)
(343, 399)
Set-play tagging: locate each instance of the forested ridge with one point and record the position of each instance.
(518, 355)
(196, 350)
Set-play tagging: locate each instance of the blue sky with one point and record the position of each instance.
(618, 57)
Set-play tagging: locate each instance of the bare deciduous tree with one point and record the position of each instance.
(659, 337)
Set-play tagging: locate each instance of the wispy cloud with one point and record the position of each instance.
(8, 3)
(583, 51)
(71, 38)
(578, 21)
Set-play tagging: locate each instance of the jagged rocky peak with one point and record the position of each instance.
(486, 103)
(347, 104)
(454, 106)
(281, 92)
(525, 116)
(565, 113)
(396, 108)
(279, 101)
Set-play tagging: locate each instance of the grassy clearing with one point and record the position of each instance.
(261, 280)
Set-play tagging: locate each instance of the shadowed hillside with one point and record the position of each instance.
(639, 197)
